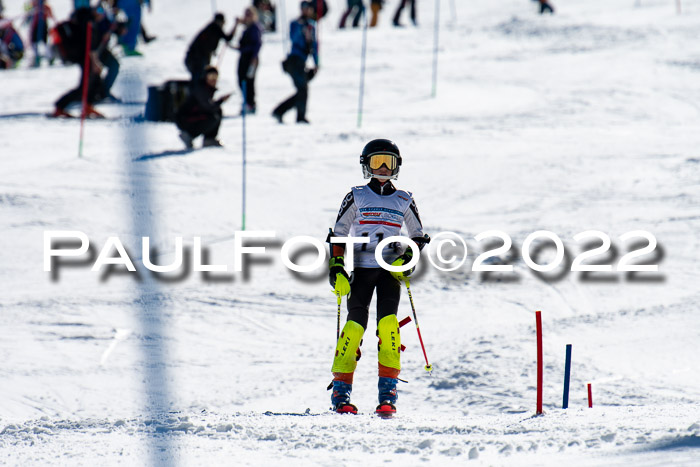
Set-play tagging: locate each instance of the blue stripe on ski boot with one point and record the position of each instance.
(387, 390)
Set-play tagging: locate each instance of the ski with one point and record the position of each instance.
(346, 408)
(306, 413)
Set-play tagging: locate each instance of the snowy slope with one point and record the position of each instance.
(587, 120)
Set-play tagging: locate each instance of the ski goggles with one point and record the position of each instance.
(377, 160)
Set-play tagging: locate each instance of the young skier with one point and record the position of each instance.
(377, 210)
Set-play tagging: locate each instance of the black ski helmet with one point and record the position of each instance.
(380, 146)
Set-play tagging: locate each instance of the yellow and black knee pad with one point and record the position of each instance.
(389, 346)
(346, 350)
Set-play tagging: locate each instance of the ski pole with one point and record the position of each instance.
(337, 328)
(86, 85)
(428, 366)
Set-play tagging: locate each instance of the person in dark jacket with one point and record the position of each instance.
(302, 32)
(204, 45)
(200, 114)
(81, 18)
(249, 46)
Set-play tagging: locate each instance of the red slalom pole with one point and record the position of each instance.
(86, 85)
(590, 396)
(540, 372)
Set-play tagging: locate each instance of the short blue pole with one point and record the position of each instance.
(567, 377)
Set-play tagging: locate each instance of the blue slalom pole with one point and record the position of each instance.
(567, 377)
(243, 112)
(435, 46)
(362, 72)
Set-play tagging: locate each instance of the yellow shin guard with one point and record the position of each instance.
(345, 360)
(389, 347)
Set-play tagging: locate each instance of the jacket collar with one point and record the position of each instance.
(383, 190)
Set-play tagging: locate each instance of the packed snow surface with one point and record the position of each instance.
(585, 120)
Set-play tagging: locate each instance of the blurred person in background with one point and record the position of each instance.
(266, 14)
(132, 9)
(545, 7)
(397, 15)
(249, 47)
(38, 14)
(204, 45)
(11, 45)
(302, 33)
(107, 25)
(78, 46)
(200, 114)
(356, 6)
(376, 7)
(144, 34)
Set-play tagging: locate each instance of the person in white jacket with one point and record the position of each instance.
(377, 210)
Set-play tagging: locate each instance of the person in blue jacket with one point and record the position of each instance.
(302, 33)
(132, 9)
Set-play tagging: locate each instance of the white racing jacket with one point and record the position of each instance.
(377, 212)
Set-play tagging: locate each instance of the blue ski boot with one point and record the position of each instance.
(341, 398)
(387, 396)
